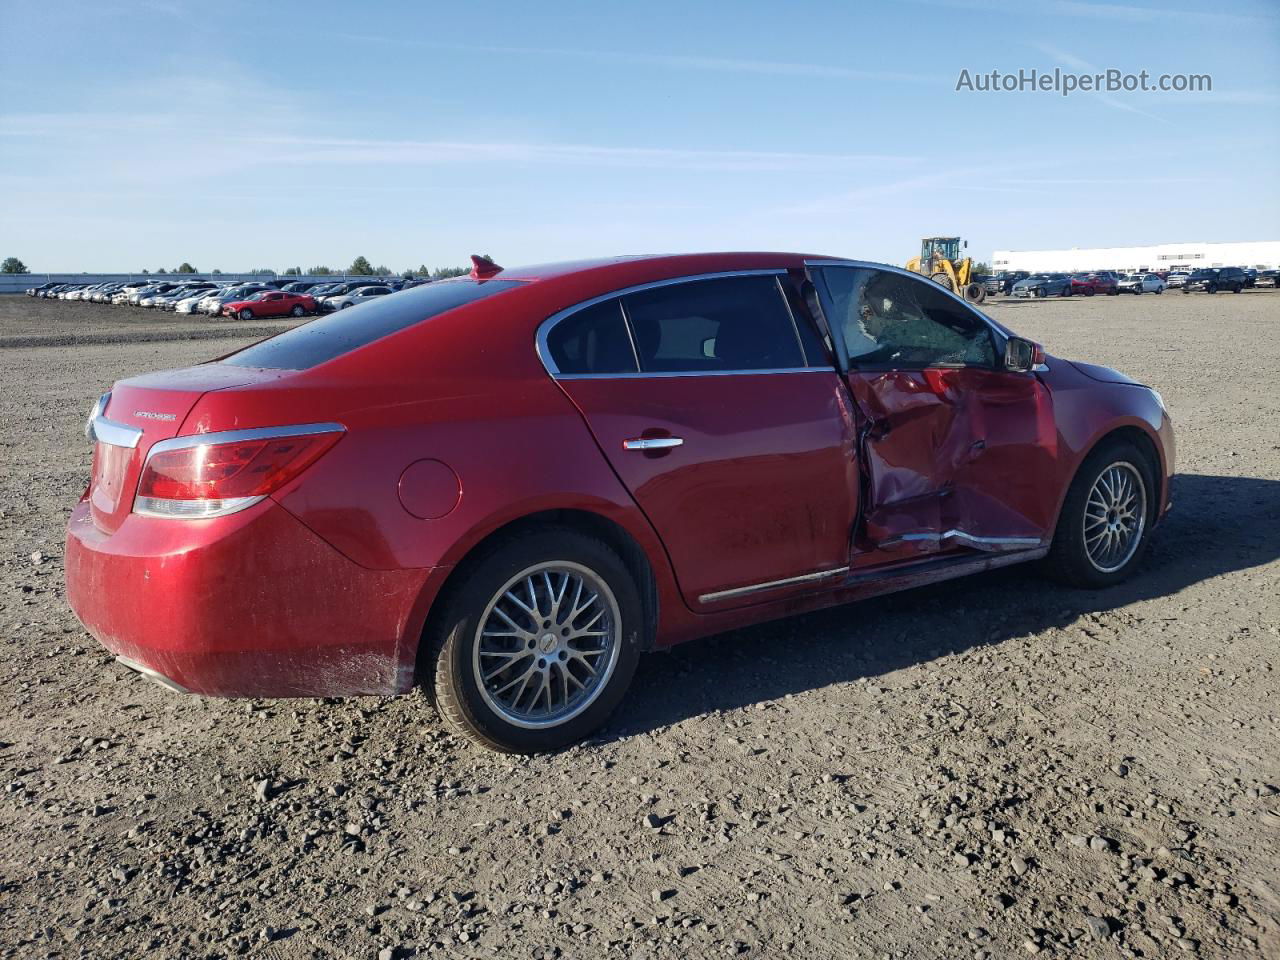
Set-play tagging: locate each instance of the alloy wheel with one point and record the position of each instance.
(547, 644)
(1115, 516)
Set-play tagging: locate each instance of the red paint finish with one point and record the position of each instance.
(429, 490)
(764, 486)
(453, 429)
(253, 604)
(957, 449)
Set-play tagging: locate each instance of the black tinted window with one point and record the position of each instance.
(338, 333)
(593, 340)
(731, 323)
(893, 320)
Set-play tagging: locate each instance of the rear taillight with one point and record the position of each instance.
(214, 474)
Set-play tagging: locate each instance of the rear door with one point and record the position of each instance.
(727, 422)
(956, 450)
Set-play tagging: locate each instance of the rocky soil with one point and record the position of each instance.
(994, 767)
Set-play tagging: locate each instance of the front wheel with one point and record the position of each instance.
(246, 314)
(539, 643)
(1089, 291)
(1106, 518)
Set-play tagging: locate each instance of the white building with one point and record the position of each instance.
(1162, 256)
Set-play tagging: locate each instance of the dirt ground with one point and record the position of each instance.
(993, 767)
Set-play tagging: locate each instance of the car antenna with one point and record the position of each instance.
(482, 268)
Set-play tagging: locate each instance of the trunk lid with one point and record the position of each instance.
(149, 408)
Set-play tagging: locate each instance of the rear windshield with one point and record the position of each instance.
(331, 336)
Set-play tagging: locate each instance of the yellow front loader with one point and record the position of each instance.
(940, 261)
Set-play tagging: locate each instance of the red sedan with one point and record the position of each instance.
(270, 303)
(508, 486)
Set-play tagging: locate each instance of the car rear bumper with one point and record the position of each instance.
(250, 605)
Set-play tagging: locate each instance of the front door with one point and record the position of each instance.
(956, 450)
(728, 424)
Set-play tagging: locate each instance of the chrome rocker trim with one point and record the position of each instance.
(773, 585)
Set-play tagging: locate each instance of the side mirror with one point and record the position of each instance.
(1022, 356)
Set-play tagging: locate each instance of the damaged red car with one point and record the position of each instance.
(508, 486)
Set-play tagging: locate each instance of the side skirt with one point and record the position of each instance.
(933, 570)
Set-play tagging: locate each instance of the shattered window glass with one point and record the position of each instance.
(895, 321)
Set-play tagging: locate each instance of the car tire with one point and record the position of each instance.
(505, 587)
(1041, 293)
(1089, 291)
(1084, 554)
(1067, 290)
(1159, 290)
(245, 314)
(297, 311)
(1210, 288)
(1238, 288)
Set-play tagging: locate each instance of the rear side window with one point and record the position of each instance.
(592, 341)
(720, 324)
(331, 336)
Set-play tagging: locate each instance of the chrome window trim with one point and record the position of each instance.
(544, 328)
(669, 374)
(115, 434)
(234, 436)
(1000, 336)
(773, 584)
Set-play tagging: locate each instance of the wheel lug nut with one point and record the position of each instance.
(563, 655)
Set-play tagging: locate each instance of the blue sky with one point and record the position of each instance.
(237, 135)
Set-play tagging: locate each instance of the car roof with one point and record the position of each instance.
(662, 263)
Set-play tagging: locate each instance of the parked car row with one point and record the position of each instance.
(244, 300)
(1021, 283)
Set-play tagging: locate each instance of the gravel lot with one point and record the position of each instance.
(993, 767)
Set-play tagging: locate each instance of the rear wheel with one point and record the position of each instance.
(1103, 530)
(537, 647)
(1066, 290)
(297, 311)
(942, 278)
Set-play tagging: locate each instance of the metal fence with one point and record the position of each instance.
(21, 282)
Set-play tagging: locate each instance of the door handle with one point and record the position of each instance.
(652, 443)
